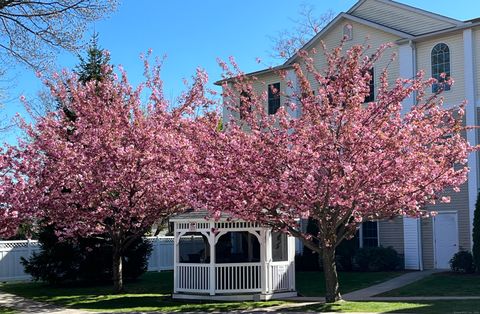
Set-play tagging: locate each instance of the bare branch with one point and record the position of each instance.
(287, 42)
(31, 32)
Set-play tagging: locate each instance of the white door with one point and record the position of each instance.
(445, 238)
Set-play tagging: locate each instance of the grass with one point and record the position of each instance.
(153, 293)
(150, 293)
(312, 284)
(420, 307)
(6, 310)
(440, 284)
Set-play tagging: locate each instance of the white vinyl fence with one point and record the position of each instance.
(162, 254)
(11, 253)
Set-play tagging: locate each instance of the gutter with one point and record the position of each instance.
(437, 33)
(260, 72)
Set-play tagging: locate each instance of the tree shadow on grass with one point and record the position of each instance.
(421, 307)
(160, 303)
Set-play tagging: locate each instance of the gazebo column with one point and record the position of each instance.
(291, 258)
(176, 241)
(211, 241)
(265, 258)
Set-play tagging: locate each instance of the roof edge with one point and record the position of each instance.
(411, 9)
(354, 19)
(259, 72)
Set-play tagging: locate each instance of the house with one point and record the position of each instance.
(421, 40)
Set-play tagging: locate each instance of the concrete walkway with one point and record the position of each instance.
(23, 305)
(388, 285)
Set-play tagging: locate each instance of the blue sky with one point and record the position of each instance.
(194, 33)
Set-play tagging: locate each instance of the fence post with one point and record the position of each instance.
(29, 251)
(158, 245)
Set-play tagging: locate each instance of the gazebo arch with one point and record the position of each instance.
(238, 274)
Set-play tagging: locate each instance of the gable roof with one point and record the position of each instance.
(402, 17)
(408, 8)
(409, 23)
(353, 18)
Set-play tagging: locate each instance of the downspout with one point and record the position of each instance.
(419, 223)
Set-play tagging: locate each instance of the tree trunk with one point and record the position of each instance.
(117, 269)
(331, 277)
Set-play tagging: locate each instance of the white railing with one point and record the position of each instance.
(282, 276)
(238, 277)
(11, 253)
(193, 277)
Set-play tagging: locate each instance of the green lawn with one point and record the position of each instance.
(420, 307)
(312, 284)
(441, 284)
(150, 293)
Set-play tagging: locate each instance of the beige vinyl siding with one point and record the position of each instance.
(401, 19)
(476, 60)
(260, 86)
(458, 203)
(362, 34)
(455, 43)
(391, 234)
(427, 243)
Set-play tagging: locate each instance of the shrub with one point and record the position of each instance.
(462, 262)
(307, 262)
(345, 254)
(476, 235)
(377, 259)
(86, 259)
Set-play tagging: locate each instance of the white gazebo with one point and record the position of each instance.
(231, 260)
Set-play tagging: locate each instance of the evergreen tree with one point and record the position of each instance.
(95, 66)
(476, 235)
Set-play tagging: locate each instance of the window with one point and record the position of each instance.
(245, 104)
(440, 64)
(371, 96)
(369, 234)
(279, 247)
(273, 98)
(348, 31)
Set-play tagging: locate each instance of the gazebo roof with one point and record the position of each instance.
(196, 215)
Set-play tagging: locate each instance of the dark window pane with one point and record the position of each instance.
(440, 58)
(279, 247)
(273, 98)
(245, 104)
(370, 234)
(371, 96)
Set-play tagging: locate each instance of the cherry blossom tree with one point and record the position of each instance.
(341, 161)
(9, 216)
(118, 167)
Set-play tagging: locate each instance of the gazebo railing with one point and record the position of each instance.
(234, 277)
(282, 275)
(238, 277)
(193, 277)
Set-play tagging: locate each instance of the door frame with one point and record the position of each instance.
(455, 212)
